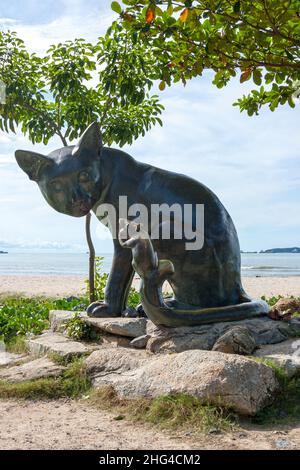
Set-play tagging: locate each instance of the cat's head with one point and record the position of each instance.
(69, 178)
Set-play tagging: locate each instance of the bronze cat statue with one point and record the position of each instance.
(206, 281)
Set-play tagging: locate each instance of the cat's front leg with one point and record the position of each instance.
(117, 287)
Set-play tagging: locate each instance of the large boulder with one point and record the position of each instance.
(234, 381)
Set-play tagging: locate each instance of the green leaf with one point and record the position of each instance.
(237, 7)
(115, 6)
(257, 77)
(291, 102)
(162, 86)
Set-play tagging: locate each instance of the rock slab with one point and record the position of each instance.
(263, 330)
(55, 343)
(234, 381)
(36, 369)
(9, 359)
(119, 326)
(142, 333)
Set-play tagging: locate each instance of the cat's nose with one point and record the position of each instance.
(77, 196)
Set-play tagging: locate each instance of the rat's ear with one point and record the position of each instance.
(91, 140)
(32, 163)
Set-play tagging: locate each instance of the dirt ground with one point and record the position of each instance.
(67, 424)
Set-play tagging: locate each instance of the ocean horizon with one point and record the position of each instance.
(65, 264)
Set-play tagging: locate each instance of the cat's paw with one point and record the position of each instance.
(100, 310)
(129, 313)
(137, 312)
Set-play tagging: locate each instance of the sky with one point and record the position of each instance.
(252, 164)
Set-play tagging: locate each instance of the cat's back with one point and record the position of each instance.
(169, 186)
(154, 185)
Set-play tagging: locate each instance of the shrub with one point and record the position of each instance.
(78, 330)
(101, 281)
(20, 316)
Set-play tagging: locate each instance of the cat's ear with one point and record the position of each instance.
(90, 140)
(32, 163)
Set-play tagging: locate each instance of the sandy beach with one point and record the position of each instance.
(62, 286)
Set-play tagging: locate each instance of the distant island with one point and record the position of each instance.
(3, 252)
(294, 249)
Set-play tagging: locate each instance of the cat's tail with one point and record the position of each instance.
(161, 313)
(153, 273)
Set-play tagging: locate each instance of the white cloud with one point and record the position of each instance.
(75, 22)
(4, 22)
(39, 245)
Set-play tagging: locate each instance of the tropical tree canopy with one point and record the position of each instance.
(73, 85)
(254, 40)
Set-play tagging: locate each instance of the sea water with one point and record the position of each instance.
(56, 264)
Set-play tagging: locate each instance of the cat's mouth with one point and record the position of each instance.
(81, 208)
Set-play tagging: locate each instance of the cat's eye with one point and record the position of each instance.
(57, 186)
(84, 177)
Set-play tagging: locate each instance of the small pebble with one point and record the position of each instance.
(282, 443)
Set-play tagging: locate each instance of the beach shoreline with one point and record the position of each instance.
(64, 286)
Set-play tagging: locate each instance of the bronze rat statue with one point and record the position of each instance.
(155, 272)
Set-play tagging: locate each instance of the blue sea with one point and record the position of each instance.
(52, 264)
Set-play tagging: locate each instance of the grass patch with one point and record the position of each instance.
(272, 300)
(17, 345)
(286, 407)
(61, 360)
(294, 333)
(73, 384)
(68, 359)
(279, 371)
(171, 411)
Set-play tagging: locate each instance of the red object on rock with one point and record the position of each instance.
(284, 309)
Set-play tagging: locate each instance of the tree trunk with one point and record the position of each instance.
(91, 258)
(90, 245)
